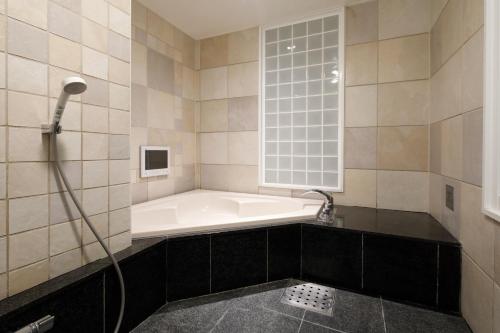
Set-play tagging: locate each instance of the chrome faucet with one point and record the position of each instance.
(326, 211)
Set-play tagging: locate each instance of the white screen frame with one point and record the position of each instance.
(156, 172)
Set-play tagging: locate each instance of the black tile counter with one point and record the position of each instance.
(403, 256)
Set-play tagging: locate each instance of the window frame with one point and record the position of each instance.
(491, 110)
(341, 87)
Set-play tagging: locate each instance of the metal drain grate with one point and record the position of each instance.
(310, 296)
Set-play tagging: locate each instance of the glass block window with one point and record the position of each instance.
(302, 104)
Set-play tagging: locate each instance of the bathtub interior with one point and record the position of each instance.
(214, 208)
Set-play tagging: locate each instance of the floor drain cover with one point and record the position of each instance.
(311, 297)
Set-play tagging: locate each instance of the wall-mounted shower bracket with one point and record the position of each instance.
(49, 128)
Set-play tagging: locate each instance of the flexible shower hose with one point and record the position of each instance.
(92, 228)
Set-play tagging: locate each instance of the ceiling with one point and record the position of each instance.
(208, 18)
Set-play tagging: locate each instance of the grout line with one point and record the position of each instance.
(302, 321)
(219, 320)
(383, 314)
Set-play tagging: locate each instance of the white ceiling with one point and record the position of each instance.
(207, 18)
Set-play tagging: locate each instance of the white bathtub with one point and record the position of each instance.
(201, 210)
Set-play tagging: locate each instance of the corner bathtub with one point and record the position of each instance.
(201, 210)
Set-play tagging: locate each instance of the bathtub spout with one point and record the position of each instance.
(326, 211)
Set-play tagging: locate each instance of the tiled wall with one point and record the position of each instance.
(164, 102)
(229, 89)
(456, 154)
(386, 108)
(41, 233)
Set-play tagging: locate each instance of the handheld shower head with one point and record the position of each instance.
(72, 85)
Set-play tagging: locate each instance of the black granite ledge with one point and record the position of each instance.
(53, 286)
(420, 226)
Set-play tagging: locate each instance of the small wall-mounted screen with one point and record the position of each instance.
(156, 159)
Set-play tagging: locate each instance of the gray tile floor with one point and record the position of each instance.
(258, 309)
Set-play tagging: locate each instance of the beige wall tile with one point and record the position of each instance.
(476, 296)
(27, 179)
(435, 147)
(27, 41)
(436, 9)
(446, 34)
(402, 148)
(100, 223)
(28, 247)
(446, 90)
(119, 147)
(496, 310)
(94, 146)
(119, 97)
(477, 232)
(243, 79)
(139, 106)
(65, 236)
(3, 286)
(214, 116)
(3, 146)
(403, 103)
(497, 254)
(93, 252)
(97, 92)
(119, 71)
(405, 58)
(94, 35)
(452, 147)
(73, 5)
(243, 113)
(27, 75)
(3, 254)
(3, 180)
(139, 15)
(139, 68)
(119, 46)
(94, 118)
(360, 151)
(160, 28)
(119, 21)
(27, 145)
(243, 148)
(214, 177)
(62, 208)
(3, 217)
(33, 12)
(69, 146)
(96, 10)
(94, 63)
(160, 189)
(473, 17)
(3, 107)
(403, 190)
(119, 221)
(95, 200)
(64, 22)
(435, 197)
(160, 72)
(119, 196)
(27, 277)
(65, 262)
(242, 178)
(214, 52)
(119, 172)
(28, 213)
(213, 148)
(473, 147)
(361, 106)
(160, 110)
(362, 23)
(73, 171)
(213, 83)
(120, 242)
(119, 122)
(361, 64)
(72, 120)
(95, 173)
(243, 46)
(472, 72)
(360, 189)
(403, 17)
